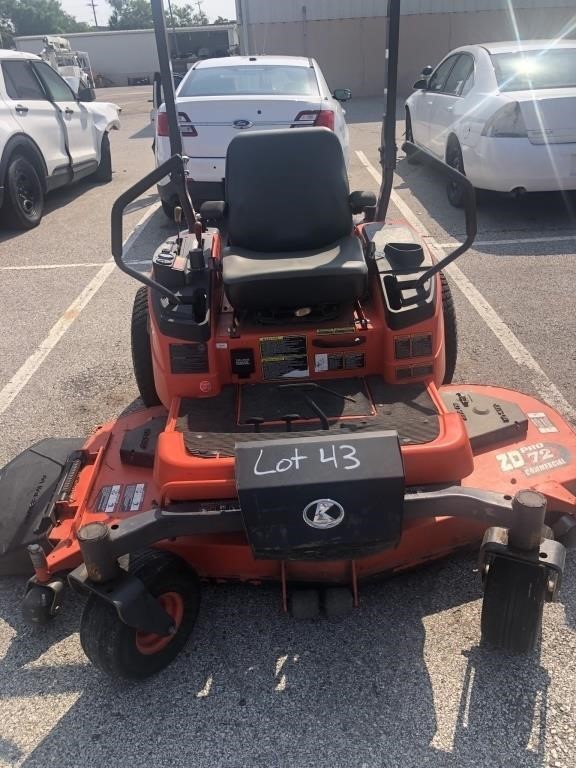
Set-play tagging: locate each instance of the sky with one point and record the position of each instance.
(82, 12)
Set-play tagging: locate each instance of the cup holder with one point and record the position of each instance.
(404, 255)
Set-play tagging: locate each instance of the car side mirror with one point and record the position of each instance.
(427, 71)
(86, 94)
(342, 94)
(421, 85)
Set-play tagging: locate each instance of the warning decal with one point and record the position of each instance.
(133, 497)
(284, 357)
(333, 331)
(534, 459)
(338, 361)
(542, 423)
(108, 499)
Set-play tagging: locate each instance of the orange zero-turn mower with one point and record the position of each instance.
(299, 423)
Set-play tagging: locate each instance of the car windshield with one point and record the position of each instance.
(250, 80)
(534, 70)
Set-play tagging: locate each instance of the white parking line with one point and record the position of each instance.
(517, 241)
(31, 365)
(93, 264)
(24, 267)
(545, 387)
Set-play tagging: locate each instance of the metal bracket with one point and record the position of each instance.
(550, 555)
(134, 604)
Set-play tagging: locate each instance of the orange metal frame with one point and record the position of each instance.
(176, 475)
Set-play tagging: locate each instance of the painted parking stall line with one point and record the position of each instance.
(515, 241)
(27, 370)
(32, 267)
(543, 385)
(78, 265)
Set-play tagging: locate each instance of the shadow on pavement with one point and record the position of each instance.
(55, 200)
(535, 214)
(276, 693)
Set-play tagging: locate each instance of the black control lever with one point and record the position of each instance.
(174, 167)
(469, 209)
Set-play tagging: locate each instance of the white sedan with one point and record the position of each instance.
(502, 113)
(220, 97)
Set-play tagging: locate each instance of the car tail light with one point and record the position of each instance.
(507, 123)
(186, 128)
(162, 124)
(323, 118)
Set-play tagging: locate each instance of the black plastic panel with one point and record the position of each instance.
(321, 497)
(400, 258)
(27, 486)
(139, 444)
(488, 420)
(189, 358)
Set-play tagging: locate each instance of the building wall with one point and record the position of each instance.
(351, 51)
(271, 11)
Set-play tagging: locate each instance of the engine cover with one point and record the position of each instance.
(321, 498)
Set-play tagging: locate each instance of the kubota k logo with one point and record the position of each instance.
(323, 514)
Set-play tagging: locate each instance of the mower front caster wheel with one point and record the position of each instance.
(514, 596)
(124, 652)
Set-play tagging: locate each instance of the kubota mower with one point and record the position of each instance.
(299, 424)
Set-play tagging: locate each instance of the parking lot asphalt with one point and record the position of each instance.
(402, 682)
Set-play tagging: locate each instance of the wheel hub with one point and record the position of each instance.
(149, 643)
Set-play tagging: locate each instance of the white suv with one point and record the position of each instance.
(48, 136)
(220, 97)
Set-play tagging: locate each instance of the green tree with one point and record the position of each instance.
(137, 14)
(131, 14)
(222, 20)
(186, 16)
(35, 17)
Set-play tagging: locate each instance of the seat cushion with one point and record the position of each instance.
(256, 281)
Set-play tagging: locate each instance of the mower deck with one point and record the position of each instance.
(116, 484)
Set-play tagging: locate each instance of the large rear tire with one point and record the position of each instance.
(450, 330)
(123, 652)
(23, 194)
(514, 595)
(141, 349)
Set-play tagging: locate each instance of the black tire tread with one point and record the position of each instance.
(141, 350)
(411, 159)
(104, 172)
(110, 644)
(168, 208)
(11, 211)
(514, 595)
(450, 330)
(456, 202)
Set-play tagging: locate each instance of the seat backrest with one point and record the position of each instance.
(287, 190)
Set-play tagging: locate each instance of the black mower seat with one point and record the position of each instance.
(289, 222)
(256, 280)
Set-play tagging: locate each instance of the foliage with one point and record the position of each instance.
(35, 17)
